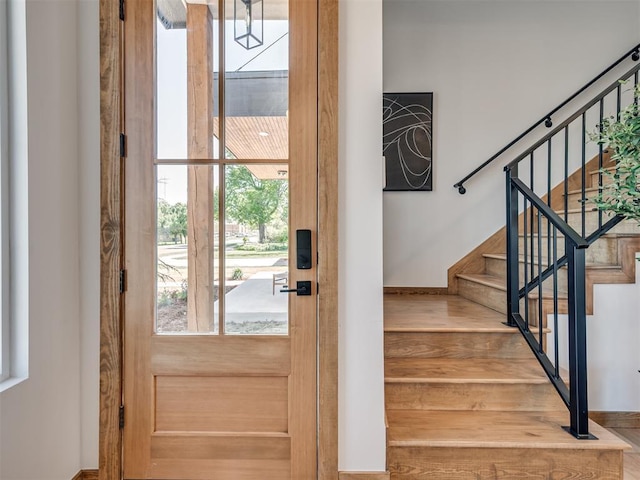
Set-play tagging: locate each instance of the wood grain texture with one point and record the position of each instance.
(615, 420)
(140, 236)
(364, 476)
(221, 469)
(214, 355)
(303, 214)
(200, 185)
(512, 464)
(223, 446)
(463, 370)
(89, 474)
(509, 344)
(453, 415)
(416, 290)
(432, 313)
(110, 446)
(472, 396)
(221, 404)
(490, 429)
(328, 251)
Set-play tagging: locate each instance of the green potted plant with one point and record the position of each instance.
(621, 136)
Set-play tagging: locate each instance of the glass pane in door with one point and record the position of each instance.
(187, 262)
(256, 250)
(187, 56)
(256, 79)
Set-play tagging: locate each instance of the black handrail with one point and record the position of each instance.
(615, 85)
(635, 56)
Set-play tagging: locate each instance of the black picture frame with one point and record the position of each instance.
(407, 145)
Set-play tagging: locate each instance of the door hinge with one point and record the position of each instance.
(122, 10)
(121, 417)
(317, 288)
(123, 281)
(123, 145)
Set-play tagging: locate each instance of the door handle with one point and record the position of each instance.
(302, 288)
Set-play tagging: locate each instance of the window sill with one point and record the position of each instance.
(11, 382)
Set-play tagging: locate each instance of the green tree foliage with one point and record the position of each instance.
(622, 135)
(172, 218)
(251, 201)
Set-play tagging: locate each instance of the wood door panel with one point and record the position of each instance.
(230, 469)
(219, 447)
(218, 356)
(221, 404)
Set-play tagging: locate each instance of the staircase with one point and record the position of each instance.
(468, 397)
(465, 399)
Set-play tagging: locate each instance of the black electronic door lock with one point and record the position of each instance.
(303, 249)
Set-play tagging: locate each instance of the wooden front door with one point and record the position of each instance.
(220, 117)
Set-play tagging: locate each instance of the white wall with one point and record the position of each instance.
(89, 201)
(40, 417)
(361, 383)
(495, 67)
(613, 334)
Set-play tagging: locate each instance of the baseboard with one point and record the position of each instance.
(416, 290)
(363, 476)
(616, 419)
(86, 475)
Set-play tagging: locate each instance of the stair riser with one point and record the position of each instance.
(602, 252)
(455, 345)
(492, 298)
(455, 463)
(606, 179)
(498, 268)
(472, 396)
(574, 200)
(496, 299)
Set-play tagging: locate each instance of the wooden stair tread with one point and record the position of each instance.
(440, 313)
(463, 370)
(499, 284)
(484, 279)
(490, 429)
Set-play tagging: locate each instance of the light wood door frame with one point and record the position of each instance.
(111, 341)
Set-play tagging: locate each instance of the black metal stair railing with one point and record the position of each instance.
(550, 225)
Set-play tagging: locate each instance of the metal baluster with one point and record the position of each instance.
(513, 259)
(566, 173)
(600, 159)
(526, 267)
(584, 173)
(555, 304)
(540, 293)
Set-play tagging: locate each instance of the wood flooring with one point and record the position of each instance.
(631, 457)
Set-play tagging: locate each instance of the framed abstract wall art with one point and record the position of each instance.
(407, 141)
